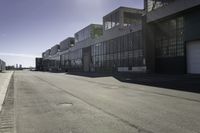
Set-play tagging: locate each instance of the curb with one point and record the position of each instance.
(3, 90)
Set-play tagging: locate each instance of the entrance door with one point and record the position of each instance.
(193, 57)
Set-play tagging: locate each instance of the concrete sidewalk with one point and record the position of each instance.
(4, 82)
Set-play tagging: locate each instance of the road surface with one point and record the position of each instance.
(61, 103)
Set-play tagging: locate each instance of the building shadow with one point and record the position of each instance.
(187, 83)
(90, 74)
(2, 72)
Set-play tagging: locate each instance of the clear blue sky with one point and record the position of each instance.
(29, 27)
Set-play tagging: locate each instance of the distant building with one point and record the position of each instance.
(17, 66)
(2, 65)
(10, 67)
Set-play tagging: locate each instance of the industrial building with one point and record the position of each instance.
(52, 58)
(120, 49)
(162, 38)
(2, 65)
(172, 36)
(74, 58)
(115, 46)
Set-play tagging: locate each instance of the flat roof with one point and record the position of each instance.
(67, 39)
(122, 8)
(89, 26)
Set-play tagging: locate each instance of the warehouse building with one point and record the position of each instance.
(163, 38)
(53, 59)
(172, 36)
(120, 49)
(115, 46)
(72, 58)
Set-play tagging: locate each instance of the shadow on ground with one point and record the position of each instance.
(90, 74)
(188, 83)
(2, 72)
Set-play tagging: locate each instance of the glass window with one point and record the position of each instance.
(104, 48)
(107, 23)
(126, 43)
(172, 24)
(180, 22)
(111, 21)
(107, 47)
(132, 19)
(113, 46)
(118, 59)
(170, 38)
(117, 18)
(136, 40)
(118, 44)
(97, 31)
(130, 41)
(121, 43)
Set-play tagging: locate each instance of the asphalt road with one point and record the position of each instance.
(61, 103)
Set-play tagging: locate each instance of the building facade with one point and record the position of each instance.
(39, 64)
(115, 46)
(172, 34)
(162, 38)
(75, 56)
(2, 65)
(120, 48)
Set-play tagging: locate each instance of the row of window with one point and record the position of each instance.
(92, 31)
(111, 21)
(123, 51)
(83, 34)
(169, 38)
(132, 19)
(129, 42)
(71, 57)
(129, 19)
(124, 59)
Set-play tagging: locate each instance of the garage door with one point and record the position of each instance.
(193, 57)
